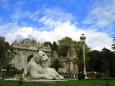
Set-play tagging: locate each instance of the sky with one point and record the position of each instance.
(52, 20)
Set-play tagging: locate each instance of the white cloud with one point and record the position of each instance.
(55, 17)
(96, 40)
(102, 16)
(21, 33)
(60, 25)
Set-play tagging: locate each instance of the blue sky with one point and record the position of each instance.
(51, 20)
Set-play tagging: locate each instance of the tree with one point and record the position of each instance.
(95, 62)
(102, 61)
(4, 57)
(64, 45)
(48, 44)
(79, 50)
(66, 41)
(56, 64)
(112, 65)
(109, 61)
(63, 50)
(54, 46)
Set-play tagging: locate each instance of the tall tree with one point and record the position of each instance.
(95, 61)
(112, 65)
(108, 61)
(54, 46)
(64, 45)
(102, 61)
(4, 57)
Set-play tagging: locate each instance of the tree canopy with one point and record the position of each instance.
(102, 61)
(4, 47)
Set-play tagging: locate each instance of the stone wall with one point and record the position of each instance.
(23, 50)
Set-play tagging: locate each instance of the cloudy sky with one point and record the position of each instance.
(51, 20)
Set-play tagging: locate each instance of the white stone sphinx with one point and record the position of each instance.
(38, 68)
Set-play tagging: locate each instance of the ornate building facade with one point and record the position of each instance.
(23, 51)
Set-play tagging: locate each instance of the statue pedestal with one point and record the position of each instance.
(39, 80)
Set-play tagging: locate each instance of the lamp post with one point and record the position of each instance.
(83, 40)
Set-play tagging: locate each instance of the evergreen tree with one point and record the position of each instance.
(54, 46)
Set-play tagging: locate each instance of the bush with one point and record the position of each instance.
(13, 71)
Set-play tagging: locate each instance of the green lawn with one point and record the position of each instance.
(64, 83)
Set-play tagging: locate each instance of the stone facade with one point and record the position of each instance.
(24, 50)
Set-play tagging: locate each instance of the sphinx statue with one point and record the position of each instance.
(37, 68)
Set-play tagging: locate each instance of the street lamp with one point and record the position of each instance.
(83, 40)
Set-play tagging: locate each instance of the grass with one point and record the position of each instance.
(65, 83)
